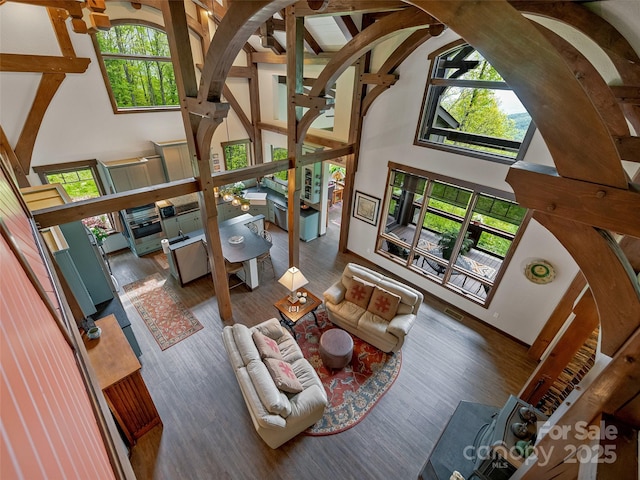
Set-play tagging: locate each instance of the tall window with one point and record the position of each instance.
(456, 234)
(81, 181)
(470, 109)
(136, 64)
(279, 154)
(237, 154)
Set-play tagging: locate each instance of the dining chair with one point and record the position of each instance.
(253, 227)
(233, 269)
(266, 257)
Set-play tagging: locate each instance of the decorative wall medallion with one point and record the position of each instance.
(540, 272)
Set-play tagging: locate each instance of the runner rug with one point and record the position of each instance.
(354, 390)
(168, 320)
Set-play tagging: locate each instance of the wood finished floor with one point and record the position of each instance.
(208, 434)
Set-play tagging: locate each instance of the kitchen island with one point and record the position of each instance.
(188, 254)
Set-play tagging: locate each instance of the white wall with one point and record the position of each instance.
(519, 307)
(80, 123)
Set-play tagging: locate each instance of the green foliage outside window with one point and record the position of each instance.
(79, 184)
(279, 154)
(236, 155)
(138, 65)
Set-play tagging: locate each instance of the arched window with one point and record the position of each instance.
(470, 109)
(136, 65)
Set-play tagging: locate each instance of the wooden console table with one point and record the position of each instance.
(118, 371)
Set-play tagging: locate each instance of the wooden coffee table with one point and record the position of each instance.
(288, 313)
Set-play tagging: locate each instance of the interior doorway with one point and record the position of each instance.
(334, 192)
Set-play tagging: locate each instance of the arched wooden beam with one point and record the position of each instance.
(584, 20)
(619, 50)
(611, 278)
(411, 18)
(544, 84)
(49, 84)
(595, 86)
(398, 56)
(240, 22)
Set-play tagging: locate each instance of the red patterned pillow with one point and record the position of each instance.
(283, 376)
(384, 303)
(359, 292)
(267, 347)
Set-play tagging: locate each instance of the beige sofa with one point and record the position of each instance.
(387, 334)
(277, 416)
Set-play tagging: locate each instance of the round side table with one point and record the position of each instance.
(336, 348)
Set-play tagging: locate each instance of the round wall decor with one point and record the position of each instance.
(540, 272)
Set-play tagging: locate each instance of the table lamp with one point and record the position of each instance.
(293, 279)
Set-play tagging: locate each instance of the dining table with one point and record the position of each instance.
(240, 244)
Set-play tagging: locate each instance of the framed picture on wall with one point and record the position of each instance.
(366, 208)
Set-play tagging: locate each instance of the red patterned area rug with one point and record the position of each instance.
(354, 390)
(168, 320)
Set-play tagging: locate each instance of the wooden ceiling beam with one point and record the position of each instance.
(73, 7)
(541, 188)
(337, 7)
(237, 108)
(398, 56)
(611, 278)
(626, 94)
(310, 138)
(47, 88)
(310, 42)
(240, 22)
(628, 148)
(384, 80)
(71, 212)
(347, 26)
(269, 57)
(598, 90)
(407, 19)
(13, 62)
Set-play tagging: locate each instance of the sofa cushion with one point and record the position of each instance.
(408, 296)
(283, 375)
(359, 292)
(267, 347)
(349, 312)
(271, 397)
(246, 345)
(384, 303)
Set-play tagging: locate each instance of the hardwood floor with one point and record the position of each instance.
(208, 433)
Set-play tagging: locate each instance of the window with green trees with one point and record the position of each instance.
(237, 154)
(81, 181)
(136, 64)
(469, 108)
(455, 233)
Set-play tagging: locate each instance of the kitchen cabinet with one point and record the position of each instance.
(257, 210)
(192, 261)
(177, 160)
(309, 225)
(187, 222)
(227, 211)
(270, 213)
(312, 182)
(132, 173)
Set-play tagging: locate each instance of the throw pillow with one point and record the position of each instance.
(267, 347)
(359, 292)
(283, 375)
(384, 303)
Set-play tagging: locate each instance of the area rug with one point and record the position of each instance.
(354, 390)
(168, 320)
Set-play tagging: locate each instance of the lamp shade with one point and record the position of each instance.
(293, 279)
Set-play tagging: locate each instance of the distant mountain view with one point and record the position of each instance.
(522, 121)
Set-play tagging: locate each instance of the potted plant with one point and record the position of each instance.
(447, 241)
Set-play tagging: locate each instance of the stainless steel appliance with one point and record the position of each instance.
(280, 214)
(144, 223)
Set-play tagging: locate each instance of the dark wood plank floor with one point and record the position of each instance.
(208, 433)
